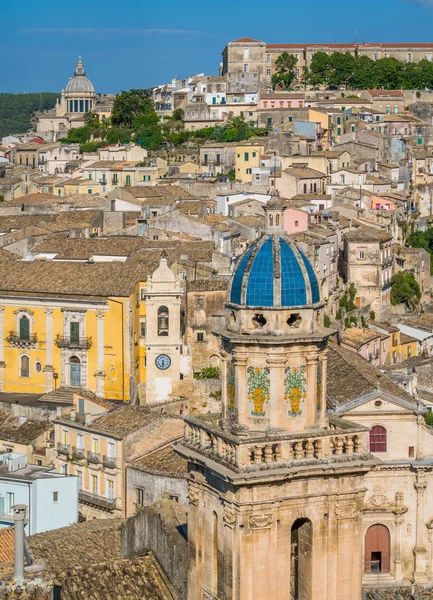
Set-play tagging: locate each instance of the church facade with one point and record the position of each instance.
(298, 490)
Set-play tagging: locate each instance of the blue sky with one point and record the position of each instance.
(139, 43)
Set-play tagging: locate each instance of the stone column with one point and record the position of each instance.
(276, 364)
(19, 515)
(398, 563)
(224, 400)
(49, 368)
(100, 373)
(241, 392)
(2, 348)
(420, 551)
(323, 417)
(311, 408)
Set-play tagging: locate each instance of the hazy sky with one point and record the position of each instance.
(139, 43)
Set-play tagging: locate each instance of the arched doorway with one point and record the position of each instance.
(75, 371)
(301, 571)
(377, 549)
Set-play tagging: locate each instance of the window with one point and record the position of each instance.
(394, 339)
(249, 171)
(245, 68)
(74, 332)
(80, 441)
(10, 501)
(428, 56)
(199, 302)
(128, 180)
(305, 188)
(338, 130)
(246, 156)
(64, 469)
(361, 254)
(378, 439)
(296, 223)
(409, 57)
(246, 53)
(95, 445)
(386, 55)
(181, 275)
(143, 329)
(90, 191)
(409, 351)
(38, 367)
(110, 450)
(140, 497)
(55, 497)
(200, 336)
(411, 452)
(24, 329)
(268, 59)
(110, 489)
(341, 179)
(254, 154)
(79, 474)
(25, 366)
(375, 56)
(94, 484)
(163, 323)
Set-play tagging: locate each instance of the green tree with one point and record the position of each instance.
(405, 290)
(18, 110)
(285, 70)
(318, 72)
(341, 68)
(91, 119)
(128, 105)
(178, 114)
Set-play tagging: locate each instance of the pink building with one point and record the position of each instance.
(282, 100)
(295, 220)
(378, 203)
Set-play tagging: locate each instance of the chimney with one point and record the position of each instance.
(19, 514)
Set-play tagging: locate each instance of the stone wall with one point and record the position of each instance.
(159, 528)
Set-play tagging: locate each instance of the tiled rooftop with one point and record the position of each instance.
(165, 462)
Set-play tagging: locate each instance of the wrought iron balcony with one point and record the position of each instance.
(109, 462)
(15, 339)
(97, 500)
(63, 449)
(81, 343)
(93, 457)
(78, 453)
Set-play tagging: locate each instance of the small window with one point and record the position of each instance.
(361, 254)
(268, 59)
(55, 497)
(38, 367)
(296, 223)
(25, 366)
(200, 336)
(411, 452)
(142, 329)
(199, 302)
(246, 68)
(140, 497)
(378, 439)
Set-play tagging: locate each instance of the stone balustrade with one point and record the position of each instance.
(243, 452)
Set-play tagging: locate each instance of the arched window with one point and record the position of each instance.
(163, 322)
(277, 219)
(75, 371)
(378, 439)
(25, 366)
(24, 329)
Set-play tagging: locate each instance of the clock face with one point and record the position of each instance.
(163, 362)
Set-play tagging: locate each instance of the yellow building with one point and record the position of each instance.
(94, 441)
(78, 186)
(321, 117)
(247, 157)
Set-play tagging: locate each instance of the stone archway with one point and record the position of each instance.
(301, 572)
(377, 549)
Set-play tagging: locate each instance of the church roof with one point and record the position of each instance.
(274, 272)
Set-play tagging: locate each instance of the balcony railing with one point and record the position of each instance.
(245, 453)
(97, 500)
(63, 449)
(93, 458)
(15, 339)
(109, 462)
(81, 343)
(78, 453)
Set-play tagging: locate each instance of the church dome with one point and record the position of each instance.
(79, 83)
(274, 272)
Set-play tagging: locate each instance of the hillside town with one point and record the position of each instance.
(216, 333)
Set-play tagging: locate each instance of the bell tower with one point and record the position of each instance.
(276, 486)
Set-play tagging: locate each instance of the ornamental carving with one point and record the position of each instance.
(193, 494)
(295, 389)
(379, 498)
(229, 516)
(231, 386)
(258, 389)
(261, 520)
(345, 511)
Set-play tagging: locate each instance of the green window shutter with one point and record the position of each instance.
(74, 331)
(128, 179)
(339, 131)
(419, 140)
(338, 120)
(24, 328)
(246, 156)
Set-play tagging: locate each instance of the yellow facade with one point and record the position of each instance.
(323, 119)
(79, 187)
(247, 157)
(79, 343)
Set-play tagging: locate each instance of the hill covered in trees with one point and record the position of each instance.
(16, 110)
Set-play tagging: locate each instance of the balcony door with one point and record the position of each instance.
(74, 332)
(75, 372)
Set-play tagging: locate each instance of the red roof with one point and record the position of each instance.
(352, 45)
(245, 40)
(391, 93)
(37, 140)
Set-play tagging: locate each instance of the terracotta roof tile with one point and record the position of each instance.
(162, 462)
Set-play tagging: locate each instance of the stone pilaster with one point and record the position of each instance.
(224, 359)
(241, 398)
(311, 405)
(398, 562)
(420, 550)
(48, 368)
(2, 348)
(323, 417)
(100, 373)
(276, 364)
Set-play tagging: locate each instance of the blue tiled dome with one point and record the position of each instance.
(274, 272)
